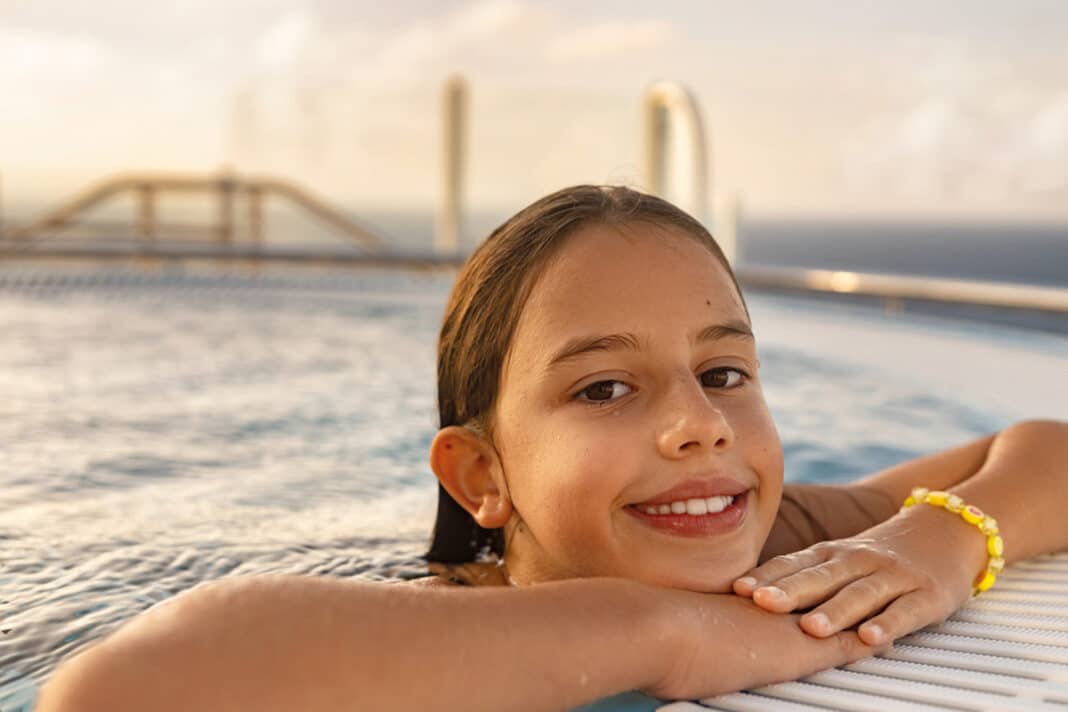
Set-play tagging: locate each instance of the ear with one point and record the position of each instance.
(468, 468)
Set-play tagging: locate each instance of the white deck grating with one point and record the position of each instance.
(1006, 650)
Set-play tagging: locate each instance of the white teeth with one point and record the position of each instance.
(694, 507)
(718, 504)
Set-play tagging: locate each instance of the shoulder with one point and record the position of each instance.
(838, 509)
(811, 513)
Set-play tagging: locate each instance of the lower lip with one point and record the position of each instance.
(696, 525)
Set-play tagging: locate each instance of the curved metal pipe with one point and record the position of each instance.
(668, 104)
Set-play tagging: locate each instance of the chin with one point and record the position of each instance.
(712, 577)
(718, 583)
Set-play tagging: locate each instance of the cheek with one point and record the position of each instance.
(598, 455)
(763, 452)
(570, 462)
(758, 435)
(767, 449)
(561, 475)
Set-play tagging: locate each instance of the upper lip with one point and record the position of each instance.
(698, 488)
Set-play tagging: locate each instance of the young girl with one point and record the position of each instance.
(612, 512)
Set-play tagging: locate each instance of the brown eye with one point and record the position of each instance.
(722, 378)
(604, 391)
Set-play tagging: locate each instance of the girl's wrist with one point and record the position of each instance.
(639, 627)
(664, 622)
(963, 546)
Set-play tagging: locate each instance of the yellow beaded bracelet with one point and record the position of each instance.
(995, 547)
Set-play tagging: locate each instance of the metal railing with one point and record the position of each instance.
(894, 289)
(228, 190)
(664, 105)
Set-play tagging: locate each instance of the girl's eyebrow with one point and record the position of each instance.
(582, 345)
(728, 330)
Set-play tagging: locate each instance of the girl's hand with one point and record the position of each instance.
(722, 643)
(910, 571)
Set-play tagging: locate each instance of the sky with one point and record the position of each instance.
(898, 109)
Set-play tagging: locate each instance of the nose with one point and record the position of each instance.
(691, 423)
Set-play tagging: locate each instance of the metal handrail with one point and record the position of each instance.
(666, 104)
(662, 103)
(226, 186)
(890, 286)
(810, 281)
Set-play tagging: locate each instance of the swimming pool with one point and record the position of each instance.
(165, 428)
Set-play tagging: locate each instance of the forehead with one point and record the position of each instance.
(609, 279)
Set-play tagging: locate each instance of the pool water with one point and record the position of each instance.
(160, 430)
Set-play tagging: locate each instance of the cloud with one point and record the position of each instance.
(966, 131)
(282, 44)
(1039, 151)
(49, 57)
(298, 47)
(486, 18)
(486, 39)
(607, 40)
(37, 69)
(439, 44)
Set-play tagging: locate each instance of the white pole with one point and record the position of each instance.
(453, 156)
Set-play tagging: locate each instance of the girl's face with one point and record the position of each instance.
(630, 425)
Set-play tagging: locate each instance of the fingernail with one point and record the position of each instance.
(773, 592)
(747, 581)
(820, 621)
(875, 633)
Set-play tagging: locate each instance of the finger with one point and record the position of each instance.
(839, 649)
(812, 585)
(855, 602)
(908, 613)
(775, 569)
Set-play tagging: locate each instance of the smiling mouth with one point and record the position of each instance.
(695, 507)
(694, 517)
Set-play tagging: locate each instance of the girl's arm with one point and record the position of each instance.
(920, 564)
(1021, 479)
(322, 644)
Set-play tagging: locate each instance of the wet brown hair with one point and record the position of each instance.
(483, 311)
